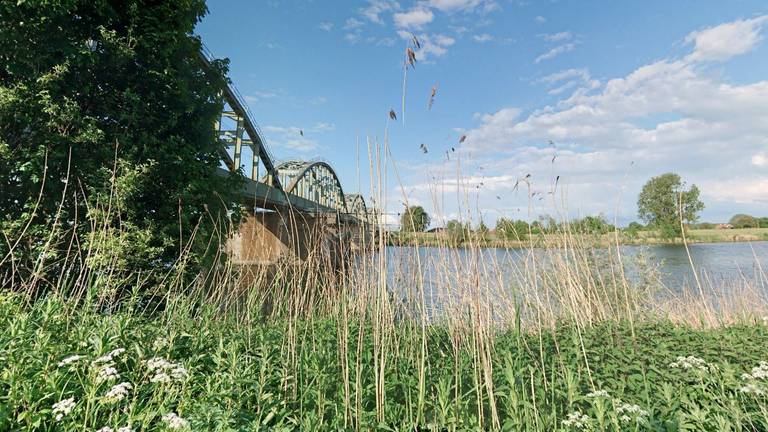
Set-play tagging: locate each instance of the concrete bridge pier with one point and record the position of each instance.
(293, 237)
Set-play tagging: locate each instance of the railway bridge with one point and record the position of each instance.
(295, 209)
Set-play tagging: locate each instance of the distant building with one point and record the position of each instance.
(724, 226)
(436, 230)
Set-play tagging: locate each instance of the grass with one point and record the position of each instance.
(557, 339)
(543, 240)
(249, 377)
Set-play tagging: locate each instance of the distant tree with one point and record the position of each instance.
(744, 221)
(633, 229)
(592, 225)
(512, 230)
(456, 232)
(664, 202)
(414, 219)
(482, 228)
(763, 222)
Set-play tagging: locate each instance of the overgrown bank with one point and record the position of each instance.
(332, 374)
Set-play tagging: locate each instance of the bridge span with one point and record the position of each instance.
(295, 209)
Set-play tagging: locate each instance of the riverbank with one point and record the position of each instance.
(84, 369)
(554, 240)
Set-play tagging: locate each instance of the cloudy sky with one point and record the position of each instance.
(578, 103)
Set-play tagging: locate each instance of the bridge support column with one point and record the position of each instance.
(290, 237)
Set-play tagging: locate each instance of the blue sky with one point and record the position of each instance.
(624, 90)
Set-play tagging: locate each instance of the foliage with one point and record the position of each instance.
(744, 221)
(664, 202)
(414, 219)
(595, 225)
(456, 232)
(763, 221)
(106, 116)
(512, 230)
(217, 375)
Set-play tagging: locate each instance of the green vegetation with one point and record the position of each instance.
(744, 221)
(105, 118)
(665, 205)
(330, 374)
(414, 219)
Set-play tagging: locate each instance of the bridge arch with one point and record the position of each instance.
(316, 181)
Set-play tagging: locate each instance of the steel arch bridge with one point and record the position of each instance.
(307, 186)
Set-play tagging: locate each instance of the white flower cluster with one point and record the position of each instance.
(689, 362)
(577, 420)
(63, 407)
(630, 411)
(174, 421)
(70, 360)
(106, 372)
(165, 371)
(117, 392)
(121, 429)
(598, 394)
(107, 358)
(759, 373)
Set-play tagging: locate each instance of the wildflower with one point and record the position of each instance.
(179, 372)
(108, 372)
(631, 409)
(577, 420)
(758, 373)
(109, 356)
(160, 343)
(157, 363)
(117, 392)
(165, 371)
(689, 362)
(125, 429)
(625, 419)
(70, 360)
(63, 407)
(598, 394)
(174, 421)
(161, 377)
(751, 388)
(106, 429)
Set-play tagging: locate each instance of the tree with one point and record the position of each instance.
(107, 114)
(763, 222)
(414, 219)
(456, 232)
(512, 230)
(664, 202)
(744, 221)
(596, 225)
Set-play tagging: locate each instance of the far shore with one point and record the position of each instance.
(490, 240)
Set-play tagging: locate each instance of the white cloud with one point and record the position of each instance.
(569, 79)
(414, 19)
(557, 37)
(432, 45)
(353, 23)
(462, 5)
(258, 96)
(540, 19)
(325, 26)
(554, 52)
(724, 41)
(376, 7)
(485, 37)
(670, 115)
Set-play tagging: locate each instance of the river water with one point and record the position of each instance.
(448, 273)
